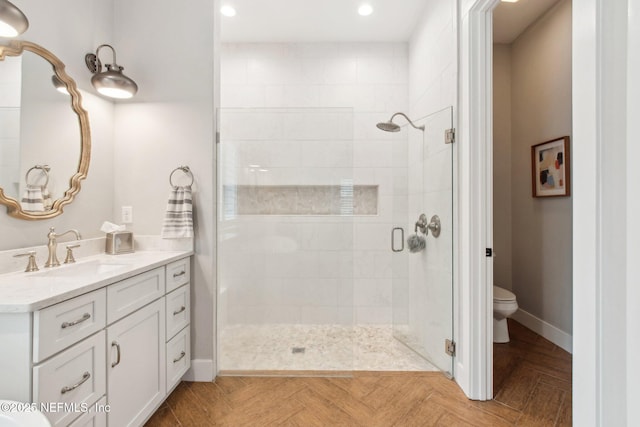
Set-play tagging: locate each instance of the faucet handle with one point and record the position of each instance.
(31, 264)
(70, 259)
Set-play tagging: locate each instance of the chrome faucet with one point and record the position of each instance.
(52, 245)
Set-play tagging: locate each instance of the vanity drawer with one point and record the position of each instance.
(178, 310)
(96, 416)
(178, 273)
(75, 377)
(131, 294)
(178, 358)
(60, 326)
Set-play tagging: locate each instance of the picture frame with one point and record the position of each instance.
(551, 168)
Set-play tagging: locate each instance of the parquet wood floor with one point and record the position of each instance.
(532, 383)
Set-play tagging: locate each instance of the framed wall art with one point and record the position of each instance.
(550, 168)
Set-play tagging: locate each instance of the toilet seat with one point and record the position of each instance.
(13, 417)
(502, 295)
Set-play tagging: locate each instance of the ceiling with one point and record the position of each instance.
(338, 20)
(511, 19)
(320, 21)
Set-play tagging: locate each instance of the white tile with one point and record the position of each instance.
(301, 96)
(312, 71)
(327, 154)
(373, 315)
(372, 292)
(371, 237)
(340, 71)
(241, 96)
(233, 71)
(376, 70)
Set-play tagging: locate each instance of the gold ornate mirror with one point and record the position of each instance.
(43, 142)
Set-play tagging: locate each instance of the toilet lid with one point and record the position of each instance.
(500, 294)
(11, 416)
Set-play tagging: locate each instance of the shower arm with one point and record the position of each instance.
(408, 119)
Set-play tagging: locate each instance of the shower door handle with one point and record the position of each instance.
(393, 239)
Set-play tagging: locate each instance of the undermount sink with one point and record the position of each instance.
(90, 268)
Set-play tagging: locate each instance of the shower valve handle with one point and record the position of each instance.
(422, 224)
(434, 225)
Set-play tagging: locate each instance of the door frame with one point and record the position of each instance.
(474, 363)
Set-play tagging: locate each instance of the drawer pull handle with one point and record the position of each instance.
(67, 389)
(183, 308)
(179, 358)
(117, 346)
(84, 317)
(182, 273)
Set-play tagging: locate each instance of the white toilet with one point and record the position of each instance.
(504, 305)
(12, 416)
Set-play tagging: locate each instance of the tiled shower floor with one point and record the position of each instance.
(326, 348)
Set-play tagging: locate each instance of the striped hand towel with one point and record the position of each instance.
(32, 199)
(47, 201)
(178, 220)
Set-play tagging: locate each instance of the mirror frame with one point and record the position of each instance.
(14, 208)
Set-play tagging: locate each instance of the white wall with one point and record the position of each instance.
(170, 123)
(502, 170)
(69, 36)
(372, 80)
(605, 111)
(541, 111)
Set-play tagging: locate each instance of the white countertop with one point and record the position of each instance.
(25, 292)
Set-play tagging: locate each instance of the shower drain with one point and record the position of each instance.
(297, 350)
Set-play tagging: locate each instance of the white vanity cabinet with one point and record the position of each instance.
(136, 365)
(108, 357)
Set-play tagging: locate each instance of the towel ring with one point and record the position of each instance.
(44, 168)
(186, 171)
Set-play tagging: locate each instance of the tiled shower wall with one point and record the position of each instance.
(317, 269)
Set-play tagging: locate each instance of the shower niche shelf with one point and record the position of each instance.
(338, 200)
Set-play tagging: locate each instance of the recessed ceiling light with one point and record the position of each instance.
(228, 11)
(509, 1)
(365, 10)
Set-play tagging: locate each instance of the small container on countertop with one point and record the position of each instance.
(119, 242)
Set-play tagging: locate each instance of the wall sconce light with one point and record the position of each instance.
(12, 21)
(111, 83)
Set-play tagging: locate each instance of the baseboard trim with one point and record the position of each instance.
(548, 331)
(201, 371)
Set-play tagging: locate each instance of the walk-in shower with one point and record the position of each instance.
(307, 281)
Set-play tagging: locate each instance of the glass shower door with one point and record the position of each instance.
(422, 290)
(286, 202)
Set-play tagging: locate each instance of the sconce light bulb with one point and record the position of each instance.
(114, 84)
(12, 21)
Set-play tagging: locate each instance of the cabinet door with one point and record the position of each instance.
(136, 365)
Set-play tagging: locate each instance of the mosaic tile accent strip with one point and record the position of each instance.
(301, 200)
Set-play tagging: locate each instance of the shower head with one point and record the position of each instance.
(388, 126)
(392, 127)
